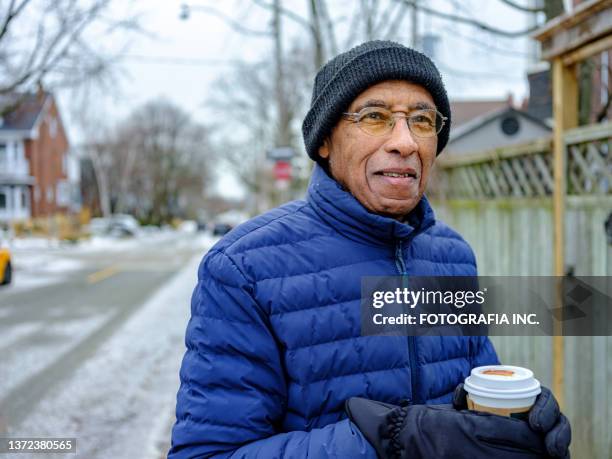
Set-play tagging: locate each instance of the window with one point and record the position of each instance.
(63, 193)
(52, 127)
(2, 200)
(510, 125)
(24, 198)
(3, 154)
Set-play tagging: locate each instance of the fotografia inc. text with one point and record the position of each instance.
(428, 319)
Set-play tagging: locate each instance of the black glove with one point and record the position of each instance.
(441, 431)
(544, 417)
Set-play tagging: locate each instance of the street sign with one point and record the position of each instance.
(280, 153)
(282, 170)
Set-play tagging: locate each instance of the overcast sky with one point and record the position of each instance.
(184, 57)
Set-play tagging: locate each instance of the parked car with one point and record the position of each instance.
(202, 226)
(123, 225)
(188, 226)
(6, 268)
(221, 228)
(115, 225)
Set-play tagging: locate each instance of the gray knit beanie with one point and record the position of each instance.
(347, 75)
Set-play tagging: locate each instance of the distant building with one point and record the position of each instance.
(38, 176)
(499, 127)
(597, 104)
(466, 110)
(539, 103)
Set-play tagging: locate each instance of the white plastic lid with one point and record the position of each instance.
(502, 381)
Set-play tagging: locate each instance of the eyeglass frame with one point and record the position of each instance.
(351, 116)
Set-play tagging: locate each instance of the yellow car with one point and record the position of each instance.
(6, 270)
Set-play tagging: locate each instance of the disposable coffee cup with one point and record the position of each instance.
(502, 389)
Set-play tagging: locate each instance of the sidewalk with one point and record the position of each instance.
(121, 402)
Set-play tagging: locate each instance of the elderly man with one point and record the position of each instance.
(274, 349)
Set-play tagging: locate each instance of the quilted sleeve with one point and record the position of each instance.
(233, 392)
(483, 352)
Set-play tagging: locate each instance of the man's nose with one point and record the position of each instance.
(401, 140)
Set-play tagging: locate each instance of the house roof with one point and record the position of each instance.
(465, 110)
(486, 118)
(21, 112)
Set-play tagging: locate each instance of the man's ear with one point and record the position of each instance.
(324, 149)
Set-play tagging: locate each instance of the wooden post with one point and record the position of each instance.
(565, 112)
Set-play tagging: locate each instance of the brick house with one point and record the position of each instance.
(36, 171)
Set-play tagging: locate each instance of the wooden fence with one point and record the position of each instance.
(500, 201)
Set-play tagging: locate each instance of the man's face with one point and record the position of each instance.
(361, 163)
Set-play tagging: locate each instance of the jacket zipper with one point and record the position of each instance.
(399, 259)
(401, 267)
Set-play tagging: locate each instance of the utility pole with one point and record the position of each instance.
(283, 134)
(415, 30)
(315, 18)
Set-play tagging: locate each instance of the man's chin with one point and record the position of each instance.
(395, 207)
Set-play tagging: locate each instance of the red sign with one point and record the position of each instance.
(282, 170)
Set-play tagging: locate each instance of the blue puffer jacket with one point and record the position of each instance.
(274, 346)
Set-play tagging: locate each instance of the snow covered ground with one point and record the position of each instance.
(37, 358)
(120, 403)
(40, 261)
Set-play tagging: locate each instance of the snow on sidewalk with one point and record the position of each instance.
(120, 403)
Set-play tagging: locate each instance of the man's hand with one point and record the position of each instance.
(544, 417)
(447, 431)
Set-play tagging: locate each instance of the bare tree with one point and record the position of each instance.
(163, 157)
(44, 42)
(101, 156)
(250, 120)
(99, 153)
(154, 164)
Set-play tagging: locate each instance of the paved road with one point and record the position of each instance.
(48, 332)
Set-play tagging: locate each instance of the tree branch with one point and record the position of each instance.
(396, 22)
(329, 25)
(289, 14)
(12, 14)
(384, 17)
(526, 9)
(464, 20)
(71, 24)
(353, 26)
(233, 24)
